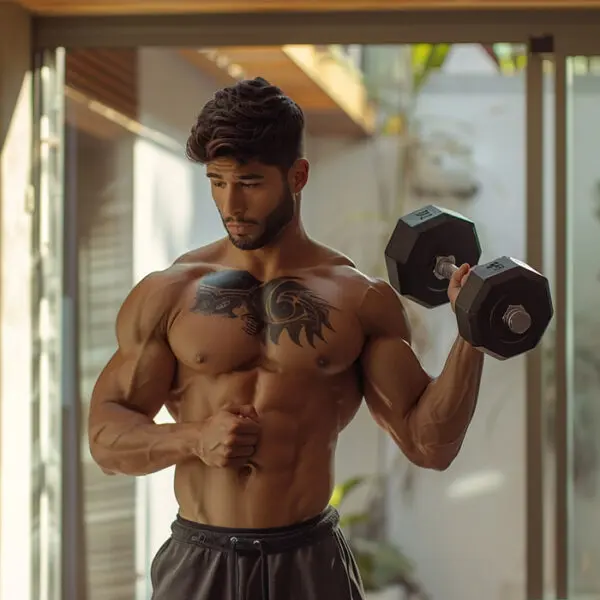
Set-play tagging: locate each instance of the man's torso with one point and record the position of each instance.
(289, 346)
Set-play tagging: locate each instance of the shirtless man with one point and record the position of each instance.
(262, 346)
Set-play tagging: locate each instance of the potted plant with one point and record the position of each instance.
(386, 572)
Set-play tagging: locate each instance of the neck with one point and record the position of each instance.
(284, 252)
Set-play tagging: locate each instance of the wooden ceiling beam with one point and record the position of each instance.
(137, 7)
(314, 79)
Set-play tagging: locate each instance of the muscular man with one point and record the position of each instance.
(262, 346)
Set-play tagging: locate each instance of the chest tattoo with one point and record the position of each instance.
(267, 309)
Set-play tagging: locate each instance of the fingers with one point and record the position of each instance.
(246, 410)
(240, 443)
(243, 440)
(460, 276)
(245, 426)
(241, 452)
(235, 431)
(236, 455)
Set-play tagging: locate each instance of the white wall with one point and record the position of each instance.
(174, 213)
(15, 305)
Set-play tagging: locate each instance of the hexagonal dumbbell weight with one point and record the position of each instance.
(504, 307)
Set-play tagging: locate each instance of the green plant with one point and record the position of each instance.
(380, 562)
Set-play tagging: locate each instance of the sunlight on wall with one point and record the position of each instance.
(159, 175)
(475, 485)
(15, 419)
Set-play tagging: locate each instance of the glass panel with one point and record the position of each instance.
(465, 527)
(583, 200)
(416, 125)
(47, 329)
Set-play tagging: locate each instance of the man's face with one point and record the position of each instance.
(254, 200)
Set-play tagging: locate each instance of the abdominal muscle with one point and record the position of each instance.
(290, 477)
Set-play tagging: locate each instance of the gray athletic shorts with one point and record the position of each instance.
(307, 561)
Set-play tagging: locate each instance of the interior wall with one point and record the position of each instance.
(15, 305)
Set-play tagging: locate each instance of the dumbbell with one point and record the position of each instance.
(505, 305)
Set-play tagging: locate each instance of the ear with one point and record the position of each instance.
(298, 175)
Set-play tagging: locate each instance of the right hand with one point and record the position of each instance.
(229, 437)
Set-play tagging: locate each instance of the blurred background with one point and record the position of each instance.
(390, 128)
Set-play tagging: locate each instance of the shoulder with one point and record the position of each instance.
(330, 257)
(151, 301)
(378, 305)
(382, 311)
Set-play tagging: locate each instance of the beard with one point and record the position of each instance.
(272, 225)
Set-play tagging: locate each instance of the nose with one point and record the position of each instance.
(233, 202)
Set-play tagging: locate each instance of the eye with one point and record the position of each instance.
(250, 185)
(217, 184)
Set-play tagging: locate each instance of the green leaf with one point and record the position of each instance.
(341, 490)
(425, 59)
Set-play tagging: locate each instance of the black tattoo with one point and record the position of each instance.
(267, 309)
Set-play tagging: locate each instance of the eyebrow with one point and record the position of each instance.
(244, 177)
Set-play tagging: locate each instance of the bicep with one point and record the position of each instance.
(137, 378)
(393, 378)
(140, 374)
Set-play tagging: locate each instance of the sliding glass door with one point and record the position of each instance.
(48, 323)
(576, 358)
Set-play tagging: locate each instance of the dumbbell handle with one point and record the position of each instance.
(516, 318)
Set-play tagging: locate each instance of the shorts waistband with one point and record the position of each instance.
(270, 540)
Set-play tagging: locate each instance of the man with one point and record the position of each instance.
(262, 346)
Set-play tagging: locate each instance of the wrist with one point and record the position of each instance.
(468, 347)
(188, 440)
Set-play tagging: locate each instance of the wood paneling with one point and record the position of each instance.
(332, 96)
(107, 76)
(116, 7)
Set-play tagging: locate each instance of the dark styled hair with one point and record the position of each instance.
(251, 120)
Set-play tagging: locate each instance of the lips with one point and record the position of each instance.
(239, 228)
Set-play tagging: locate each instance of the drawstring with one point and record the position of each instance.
(234, 569)
(264, 569)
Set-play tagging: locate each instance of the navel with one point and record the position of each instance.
(245, 472)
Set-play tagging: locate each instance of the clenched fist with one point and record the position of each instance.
(229, 437)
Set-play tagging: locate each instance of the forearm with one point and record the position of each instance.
(123, 441)
(439, 421)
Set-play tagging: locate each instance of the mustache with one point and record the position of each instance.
(240, 221)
